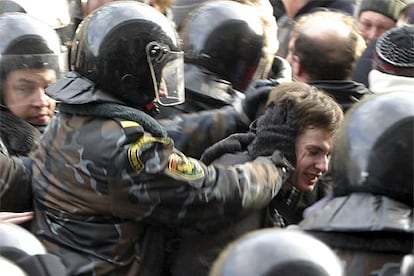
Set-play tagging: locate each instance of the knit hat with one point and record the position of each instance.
(389, 8)
(394, 52)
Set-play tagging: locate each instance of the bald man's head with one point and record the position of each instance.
(327, 45)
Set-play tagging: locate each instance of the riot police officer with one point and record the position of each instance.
(107, 180)
(369, 221)
(220, 58)
(30, 59)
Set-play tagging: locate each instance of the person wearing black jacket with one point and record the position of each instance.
(30, 59)
(300, 120)
(291, 10)
(323, 51)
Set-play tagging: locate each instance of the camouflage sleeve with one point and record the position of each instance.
(171, 188)
(15, 187)
(257, 182)
(193, 133)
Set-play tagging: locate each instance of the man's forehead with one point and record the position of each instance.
(32, 75)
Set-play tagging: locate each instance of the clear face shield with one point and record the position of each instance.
(167, 71)
(37, 61)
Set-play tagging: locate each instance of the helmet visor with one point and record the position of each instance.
(167, 71)
(17, 62)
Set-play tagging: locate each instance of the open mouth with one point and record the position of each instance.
(312, 178)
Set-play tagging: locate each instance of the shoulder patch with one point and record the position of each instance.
(184, 167)
(135, 150)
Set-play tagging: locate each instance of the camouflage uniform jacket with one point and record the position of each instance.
(99, 184)
(194, 132)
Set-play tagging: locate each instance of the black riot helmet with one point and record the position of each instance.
(226, 38)
(130, 51)
(273, 251)
(27, 42)
(374, 148)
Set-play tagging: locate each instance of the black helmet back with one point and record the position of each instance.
(374, 148)
(225, 37)
(131, 51)
(275, 251)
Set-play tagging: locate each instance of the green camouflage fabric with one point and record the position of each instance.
(194, 132)
(100, 184)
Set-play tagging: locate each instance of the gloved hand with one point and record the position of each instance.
(233, 143)
(257, 93)
(276, 130)
(281, 70)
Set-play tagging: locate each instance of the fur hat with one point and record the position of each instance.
(394, 52)
(389, 8)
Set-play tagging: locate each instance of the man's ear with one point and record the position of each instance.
(296, 67)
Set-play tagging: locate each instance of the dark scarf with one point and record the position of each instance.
(19, 137)
(112, 110)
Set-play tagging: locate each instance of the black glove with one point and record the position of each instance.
(258, 91)
(275, 130)
(256, 98)
(281, 70)
(234, 143)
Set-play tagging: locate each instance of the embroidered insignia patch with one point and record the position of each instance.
(184, 167)
(135, 150)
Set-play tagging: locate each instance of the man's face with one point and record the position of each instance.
(373, 24)
(24, 95)
(313, 148)
(291, 47)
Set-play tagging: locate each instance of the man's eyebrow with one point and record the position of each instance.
(319, 148)
(24, 80)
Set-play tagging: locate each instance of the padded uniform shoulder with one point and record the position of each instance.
(133, 130)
